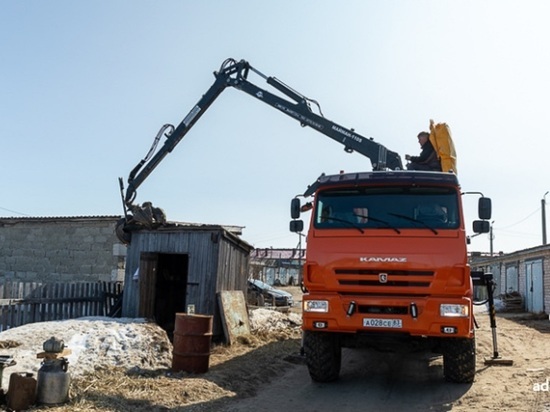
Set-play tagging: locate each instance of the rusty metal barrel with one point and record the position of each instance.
(192, 339)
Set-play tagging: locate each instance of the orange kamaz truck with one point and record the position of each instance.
(387, 268)
(386, 250)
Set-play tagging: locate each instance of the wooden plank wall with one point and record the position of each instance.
(30, 302)
(201, 278)
(217, 262)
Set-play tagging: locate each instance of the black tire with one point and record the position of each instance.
(323, 355)
(123, 235)
(459, 360)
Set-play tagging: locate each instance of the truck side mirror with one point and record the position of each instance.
(481, 226)
(295, 208)
(296, 226)
(484, 208)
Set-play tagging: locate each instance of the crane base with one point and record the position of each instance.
(499, 361)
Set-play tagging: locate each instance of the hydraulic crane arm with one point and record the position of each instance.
(144, 168)
(235, 74)
(380, 157)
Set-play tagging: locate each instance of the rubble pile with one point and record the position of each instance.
(271, 322)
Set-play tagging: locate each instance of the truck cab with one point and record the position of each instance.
(387, 268)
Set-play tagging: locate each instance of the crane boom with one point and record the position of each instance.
(235, 74)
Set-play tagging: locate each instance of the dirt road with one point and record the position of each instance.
(372, 381)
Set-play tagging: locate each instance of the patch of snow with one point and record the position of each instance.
(95, 342)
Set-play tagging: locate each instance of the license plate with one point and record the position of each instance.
(382, 323)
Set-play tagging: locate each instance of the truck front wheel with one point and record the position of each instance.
(323, 355)
(459, 360)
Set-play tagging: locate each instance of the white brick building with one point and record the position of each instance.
(526, 272)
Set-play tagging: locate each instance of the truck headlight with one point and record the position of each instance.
(454, 311)
(316, 306)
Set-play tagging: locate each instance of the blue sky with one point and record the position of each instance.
(85, 86)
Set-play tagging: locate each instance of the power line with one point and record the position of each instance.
(13, 211)
(520, 221)
(271, 238)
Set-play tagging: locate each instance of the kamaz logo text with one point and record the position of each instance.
(365, 259)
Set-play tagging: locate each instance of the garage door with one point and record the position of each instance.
(534, 291)
(512, 284)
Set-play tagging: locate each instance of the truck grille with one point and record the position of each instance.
(386, 281)
(383, 310)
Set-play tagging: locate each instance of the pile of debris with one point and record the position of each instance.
(266, 322)
(511, 302)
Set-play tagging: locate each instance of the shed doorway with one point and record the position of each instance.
(163, 287)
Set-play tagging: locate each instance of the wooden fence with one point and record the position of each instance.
(30, 302)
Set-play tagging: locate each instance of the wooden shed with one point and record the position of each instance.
(175, 266)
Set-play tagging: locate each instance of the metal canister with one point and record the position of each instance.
(53, 382)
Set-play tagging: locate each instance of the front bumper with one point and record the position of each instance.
(412, 316)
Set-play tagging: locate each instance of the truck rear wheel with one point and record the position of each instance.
(323, 355)
(459, 360)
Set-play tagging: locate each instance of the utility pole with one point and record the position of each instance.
(491, 237)
(543, 212)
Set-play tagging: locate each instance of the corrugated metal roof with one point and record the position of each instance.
(57, 218)
(229, 228)
(484, 259)
(232, 230)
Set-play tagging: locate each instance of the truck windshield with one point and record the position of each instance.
(393, 207)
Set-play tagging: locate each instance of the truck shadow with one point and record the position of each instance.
(369, 380)
(400, 381)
